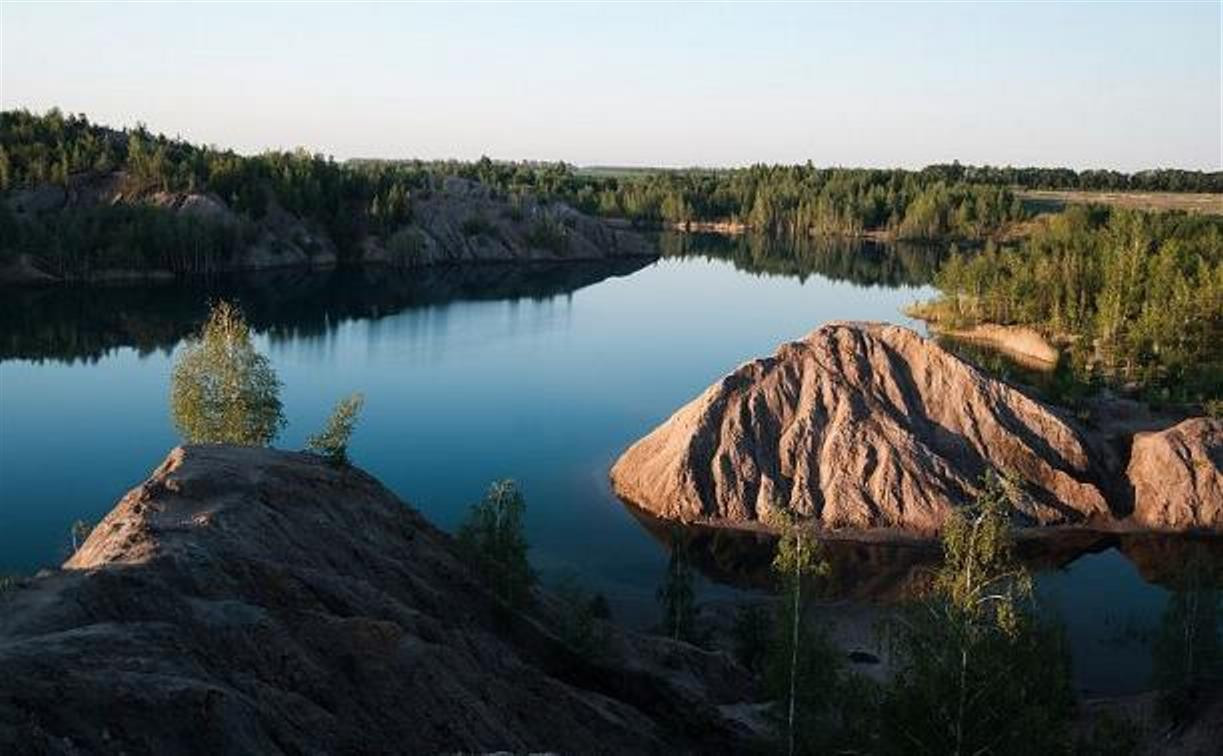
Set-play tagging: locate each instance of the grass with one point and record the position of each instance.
(1049, 200)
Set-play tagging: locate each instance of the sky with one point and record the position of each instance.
(1101, 84)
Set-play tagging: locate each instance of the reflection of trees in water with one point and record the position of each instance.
(1187, 650)
(892, 571)
(71, 323)
(857, 261)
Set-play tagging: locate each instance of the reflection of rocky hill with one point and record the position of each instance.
(81, 322)
(857, 261)
(888, 572)
(1163, 559)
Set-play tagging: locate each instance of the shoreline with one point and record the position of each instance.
(124, 276)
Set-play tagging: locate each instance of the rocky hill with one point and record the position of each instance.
(1177, 476)
(456, 221)
(247, 600)
(872, 427)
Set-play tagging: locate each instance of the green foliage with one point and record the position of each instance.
(332, 441)
(493, 540)
(346, 201)
(976, 670)
(1141, 294)
(835, 710)
(802, 199)
(798, 557)
(677, 594)
(132, 237)
(221, 389)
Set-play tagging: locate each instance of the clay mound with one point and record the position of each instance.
(861, 426)
(1177, 475)
(253, 601)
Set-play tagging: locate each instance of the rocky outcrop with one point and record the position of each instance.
(1177, 476)
(860, 426)
(253, 601)
(454, 221)
(465, 221)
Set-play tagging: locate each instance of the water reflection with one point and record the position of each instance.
(70, 323)
(892, 571)
(857, 261)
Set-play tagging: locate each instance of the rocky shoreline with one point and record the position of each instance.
(458, 222)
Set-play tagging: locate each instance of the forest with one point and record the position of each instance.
(348, 201)
(1139, 295)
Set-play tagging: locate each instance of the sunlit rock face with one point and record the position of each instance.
(246, 600)
(1177, 475)
(860, 426)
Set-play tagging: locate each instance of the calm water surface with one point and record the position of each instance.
(542, 375)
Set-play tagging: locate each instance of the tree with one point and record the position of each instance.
(222, 391)
(797, 558)
(493, 539)
(332, 440)
(976, 669)
(677, 594)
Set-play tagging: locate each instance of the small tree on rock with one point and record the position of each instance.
(222, 391)
(493, 539)
(332, 440)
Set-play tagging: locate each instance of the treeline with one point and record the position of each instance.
(344, 202)
(123, 237)
(1157, 180)
(1139, 294)
(352, 200)
(802, 199)
(940, 201)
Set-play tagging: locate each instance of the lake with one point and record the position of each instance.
(541, 374)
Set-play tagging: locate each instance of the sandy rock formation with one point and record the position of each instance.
(1177, 475)
(252, 601)
(465, 221)
(863, 426)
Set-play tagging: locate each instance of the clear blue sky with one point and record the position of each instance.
(1119, 85)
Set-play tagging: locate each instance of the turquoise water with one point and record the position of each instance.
(543, 375)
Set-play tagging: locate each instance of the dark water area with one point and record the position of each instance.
(543, 374)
